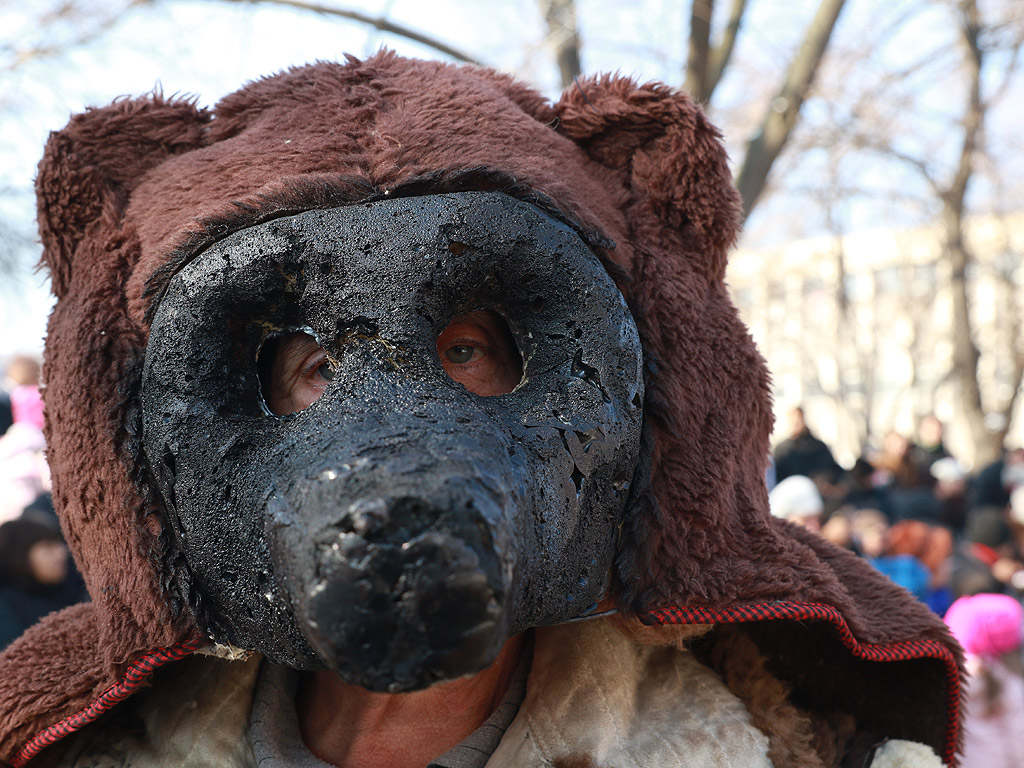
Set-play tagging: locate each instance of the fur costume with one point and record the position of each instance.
(830, 659)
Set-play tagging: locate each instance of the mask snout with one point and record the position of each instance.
(396, 589)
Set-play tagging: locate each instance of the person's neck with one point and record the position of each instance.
(350, 727)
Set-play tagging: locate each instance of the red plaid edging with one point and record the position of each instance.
(138, 672)
(903, 651)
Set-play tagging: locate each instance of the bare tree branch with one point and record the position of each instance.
(377, 22)
(88, 25)
(705, 64)
(784, 109)
(965, 351)
(563, 36)
(974, 113)
(722, 54)
(883, 145)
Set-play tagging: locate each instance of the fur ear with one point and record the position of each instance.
(674, 164)
(90, 167)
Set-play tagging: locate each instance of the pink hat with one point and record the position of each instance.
(987, 625)
(27, 405)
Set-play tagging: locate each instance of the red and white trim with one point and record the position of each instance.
(138, 673)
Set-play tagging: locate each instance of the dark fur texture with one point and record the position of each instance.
(129, 192)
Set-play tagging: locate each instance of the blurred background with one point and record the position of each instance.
(876, 144)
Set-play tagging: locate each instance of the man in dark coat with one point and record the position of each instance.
(804, 454)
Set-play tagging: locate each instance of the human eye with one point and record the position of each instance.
(477, 350)
(462, 352)
(295, 372)
(318, 368)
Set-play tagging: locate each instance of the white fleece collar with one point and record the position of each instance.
(597, 698)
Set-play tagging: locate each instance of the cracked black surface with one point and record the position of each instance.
(400, 528)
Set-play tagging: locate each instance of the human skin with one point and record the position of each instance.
(346, 725)
(48, 561)
(351, 727)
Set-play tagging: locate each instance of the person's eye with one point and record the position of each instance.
(462, 353)
(477, 350)
(314, 373)
(326, 371)
(294, 372)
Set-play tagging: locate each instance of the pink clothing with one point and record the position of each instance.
(990, 627)
(24, 473)
(996, 739)
(27, 406)
(987, 625)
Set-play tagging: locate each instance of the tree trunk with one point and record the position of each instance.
(698, 59)
(705, 64)
(560, 16)
(988, 444)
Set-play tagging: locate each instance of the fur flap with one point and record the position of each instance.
(671, 158)
(55, 683)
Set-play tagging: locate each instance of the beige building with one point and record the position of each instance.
(857, 329)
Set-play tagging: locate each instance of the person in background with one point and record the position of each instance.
(932, 546)
(929, 447)
(24, 473)
(995, 482)
(987, 560)
(770, 480)
(862, 492)
(35, 576)
(991, 630)
(863, 531)
(804, 454)
(910, 495)
(1015, 517)
(22, 371)
(867, 532)
(41, 511)
(6, 414)
(895, 468)
(797, 499)
(950, 490)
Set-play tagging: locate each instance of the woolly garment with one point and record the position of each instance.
(130, 192)
(597, 698)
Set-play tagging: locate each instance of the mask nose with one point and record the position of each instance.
(397, 591)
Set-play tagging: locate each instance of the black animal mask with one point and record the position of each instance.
(399, 528)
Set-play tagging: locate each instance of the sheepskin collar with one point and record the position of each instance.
(595, 697)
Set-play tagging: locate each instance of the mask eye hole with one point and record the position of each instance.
(294, 371)
(477, 350)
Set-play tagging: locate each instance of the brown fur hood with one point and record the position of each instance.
(129, 191)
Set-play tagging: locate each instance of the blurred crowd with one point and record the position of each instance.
(37, 575)
(911, 509)
(953, 538)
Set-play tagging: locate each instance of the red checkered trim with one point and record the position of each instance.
(137, 674)
(913, 649)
